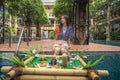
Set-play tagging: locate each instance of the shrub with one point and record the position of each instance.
(51, 34)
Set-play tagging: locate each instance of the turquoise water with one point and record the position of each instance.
(4, 62)
(111, 62)
(113, 43)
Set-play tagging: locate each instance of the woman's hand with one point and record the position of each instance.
(56, 37)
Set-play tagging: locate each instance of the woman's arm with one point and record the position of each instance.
(57, 32)
(71, 35)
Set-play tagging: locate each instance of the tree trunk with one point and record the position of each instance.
(108, 23)
(38, 30)
(28, 33)
(81, 21)
(10, 18)
(15, 22)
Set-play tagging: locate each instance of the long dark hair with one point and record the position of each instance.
(67, 21)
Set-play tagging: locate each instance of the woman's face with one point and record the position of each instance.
(63, 20)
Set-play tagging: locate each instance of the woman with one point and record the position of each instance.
(66, 33)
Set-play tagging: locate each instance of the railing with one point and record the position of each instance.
(19, 41)
(1, 29)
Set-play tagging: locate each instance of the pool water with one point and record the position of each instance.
(111, 62)
(4, 62)
(113, 43)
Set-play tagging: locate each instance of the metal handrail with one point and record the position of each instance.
(19, 42)
(1, 29)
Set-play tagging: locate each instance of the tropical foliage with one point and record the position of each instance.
(31, 51)
(16, 60)
(12, 29)
(62, 7)
(78, 53)
(81, 53)
(25, 55)
(103, 13)
(90, 64)
(41, 17)
(28, 10)
(9, 30)
(52, 34)
(115, 35)
(31, 11)
(99, 33)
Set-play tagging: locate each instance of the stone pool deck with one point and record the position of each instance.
(47, 44)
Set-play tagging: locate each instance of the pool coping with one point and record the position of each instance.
(47, 45)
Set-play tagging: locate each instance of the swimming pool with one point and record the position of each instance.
(111, 62)
(113, 43)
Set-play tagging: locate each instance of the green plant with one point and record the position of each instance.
(90, 64)
(6, 33)
(30, 65)
(12, 29)
(92, 31)
(31, 51)
(115, 35)
(13, 59)
(52, 34)
(81, 53)
(78, 53)
(102, 30)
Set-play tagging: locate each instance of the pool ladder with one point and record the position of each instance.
(20, 38)
(19, 41)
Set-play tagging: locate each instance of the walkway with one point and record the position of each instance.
(47, 44)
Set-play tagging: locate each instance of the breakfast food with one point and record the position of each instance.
(43, 64)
